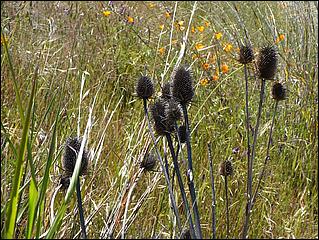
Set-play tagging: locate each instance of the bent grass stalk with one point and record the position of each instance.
(173, 202)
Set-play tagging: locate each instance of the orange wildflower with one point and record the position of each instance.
(215, 77)
(167, 14)
(107, 13)
(225, 68)
(207, 23)
(199, 46)
(203, 81)
(130, 19)
(161, 50)
(206, 66)
(193, 29)
(201, 28)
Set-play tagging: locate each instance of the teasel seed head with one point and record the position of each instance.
(246, 54)
(226, 168)
(182, 86)
(278, 92)
(161, 125)
(267, 62)
(65, 181)
(149, 162)
(186, 234)
(173, 111)
(71, 150)
(144, 87)
(182, 133)
(166, 91)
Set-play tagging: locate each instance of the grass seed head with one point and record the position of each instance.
(182, 86)
(144, 87)
(71, 150)
(267, 62)
(278, 92)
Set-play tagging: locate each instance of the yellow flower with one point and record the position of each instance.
(167, 14)
(206, 66)
(207, 23)
(151, 5)
(174, 41)
(107, 13)
(203, 81)
(193, 29)
(225, 68)
(228, 47)
(199, 46)
(215, 78)
(161, 26)
(130, 19)
(195, 56)
(218, 35)
(180, 23)
(201, 28)
(161, 50)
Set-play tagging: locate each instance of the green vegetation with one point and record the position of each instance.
(70, 69)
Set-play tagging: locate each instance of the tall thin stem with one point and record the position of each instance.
(227, 211)
(213, 190)
(190, 174)
(82, 222)
(173, 202)
(250, 170)
(181, 185)
(261, 175)
(247, 129)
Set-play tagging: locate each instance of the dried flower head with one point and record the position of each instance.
(144, 87)
(226, 168)
(182, 133)
(65, 181)
(166, 91)
(246, 54)
(71, 150)
(267, 62)
(161, 125)
(182, 88)
(186, 234)
(149, 162)
(173, 111)
(278, 92)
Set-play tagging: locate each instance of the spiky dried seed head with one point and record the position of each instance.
(173, 111)
(186, 234)
(149, 162)
(246, 54)
(161, 125)
(182, 86)
(182, 133)
(267, 62)
(166, 91)
(226, 168)
(71, 150)
(65, 181)
(144, 87)
(278, 92)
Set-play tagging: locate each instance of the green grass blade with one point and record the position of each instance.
(14, 195)
(46, 174)
(15, 84)
(33, 196)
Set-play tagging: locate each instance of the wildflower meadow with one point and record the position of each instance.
(159, 119)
